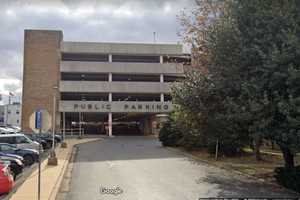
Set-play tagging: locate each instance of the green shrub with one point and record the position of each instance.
(289, 178)
(192, 139)
(170, 134)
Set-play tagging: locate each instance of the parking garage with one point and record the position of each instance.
(99, 88)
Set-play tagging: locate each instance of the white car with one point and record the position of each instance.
(16, 129)
(4, 130)
(20, 140)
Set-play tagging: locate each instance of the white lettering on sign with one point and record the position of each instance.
(146, 107)
(92, 107)
(117, 106)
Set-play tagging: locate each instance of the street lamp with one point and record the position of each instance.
(52, 160)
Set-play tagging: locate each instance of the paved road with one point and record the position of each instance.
(144, 170)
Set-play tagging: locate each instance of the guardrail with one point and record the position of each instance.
(74, 131)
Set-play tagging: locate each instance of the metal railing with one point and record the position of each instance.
(74, 131)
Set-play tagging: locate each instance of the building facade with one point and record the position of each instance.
(1, 115)
(98, 88)
(10, 114)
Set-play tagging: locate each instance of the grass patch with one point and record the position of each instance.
(247, 163)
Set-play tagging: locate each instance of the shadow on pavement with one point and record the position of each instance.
(235, 185)
(123, 148)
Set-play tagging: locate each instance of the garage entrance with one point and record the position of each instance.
(88, 123)
(85, 123)
(127, 124)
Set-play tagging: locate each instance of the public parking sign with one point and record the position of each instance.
(38, 119)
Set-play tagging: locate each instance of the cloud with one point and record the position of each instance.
(83, 20)
(10, 85)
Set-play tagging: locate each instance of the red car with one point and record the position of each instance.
(6, 179)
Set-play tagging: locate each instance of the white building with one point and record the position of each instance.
(1, 114)
(11, 114)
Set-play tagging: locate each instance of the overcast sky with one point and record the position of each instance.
(81, 20)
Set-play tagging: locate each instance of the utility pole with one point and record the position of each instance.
(64, 144)
(52, 160)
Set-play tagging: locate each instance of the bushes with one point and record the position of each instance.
(289, 178)
(174, 134)
(170, 134)
(192, 139)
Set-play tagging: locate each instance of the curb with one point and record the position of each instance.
(66, 180)
(227, 169)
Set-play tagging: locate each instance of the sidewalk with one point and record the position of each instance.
(51, 176)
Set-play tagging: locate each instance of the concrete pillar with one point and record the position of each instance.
(79, 121)
(110, 97)
(110, 77)
(162, 97)
(147, 126)
(161, 59)
(109, 58)
(109, 124)
(161, 78)
(110, 100)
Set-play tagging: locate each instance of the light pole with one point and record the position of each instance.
(64, 144)
(52, 160)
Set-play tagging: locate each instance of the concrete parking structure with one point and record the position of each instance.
(99, 87)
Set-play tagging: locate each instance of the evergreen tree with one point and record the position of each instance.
(250, 85)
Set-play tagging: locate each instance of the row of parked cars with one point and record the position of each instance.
(19, 150)
(9, 129)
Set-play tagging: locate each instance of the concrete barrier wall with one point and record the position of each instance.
(114, 87)
(122, 48)
(121, 68)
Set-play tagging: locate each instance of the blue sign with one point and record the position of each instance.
(38, 119)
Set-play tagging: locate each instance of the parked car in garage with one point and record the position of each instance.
(15, 163)
(20, 140)
(6, 179)
(30, 155)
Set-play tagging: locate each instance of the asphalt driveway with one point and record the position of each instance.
(139, 168)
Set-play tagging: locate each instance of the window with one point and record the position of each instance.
(84, 57)
(135, 58)
(135, 77)
(17, 112)
(67, 76)
(8, 111)
(71, 96)
(9, 140)
(21, 140)
(7, 148)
